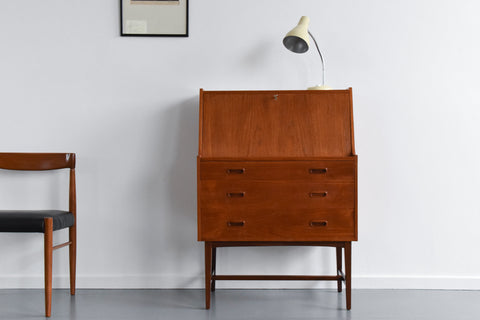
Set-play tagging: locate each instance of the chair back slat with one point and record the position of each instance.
(37, 161)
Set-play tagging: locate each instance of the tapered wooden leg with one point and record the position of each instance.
(48, 249)
(72, 233)
(208, 273)
(339, 267)
(214, 265)
(348, 273)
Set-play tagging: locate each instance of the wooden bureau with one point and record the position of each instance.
(277, 168)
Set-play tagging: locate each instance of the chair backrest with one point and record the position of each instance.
(43, 161)
(37, 161)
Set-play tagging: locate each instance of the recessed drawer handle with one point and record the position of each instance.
(318, 194)
(318, 170)
(236, 171)
(322, 223)
(236, 194)
(235, 223)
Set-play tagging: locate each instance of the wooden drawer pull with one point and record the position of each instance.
(236, 171)
(322, 223)
(318, 194)
(236, 194)
(235, 223)
(318, 171)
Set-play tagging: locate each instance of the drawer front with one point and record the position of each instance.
(272, 225)
(319, 171)
(277, 200)
(248, 195)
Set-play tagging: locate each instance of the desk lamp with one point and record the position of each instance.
(297, 41)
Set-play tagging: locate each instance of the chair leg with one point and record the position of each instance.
(72, 252)
(208, 272)
(48, 249)
(339, 267)
(348, 273)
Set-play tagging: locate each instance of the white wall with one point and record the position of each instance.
(128, 108)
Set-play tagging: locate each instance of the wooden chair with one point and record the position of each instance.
(45, 221)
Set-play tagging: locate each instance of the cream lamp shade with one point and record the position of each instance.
(297, 40)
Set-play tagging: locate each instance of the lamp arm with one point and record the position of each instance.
(321, 58)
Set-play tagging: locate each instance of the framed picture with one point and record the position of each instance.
(154, 18)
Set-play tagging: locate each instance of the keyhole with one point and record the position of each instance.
(275, 96)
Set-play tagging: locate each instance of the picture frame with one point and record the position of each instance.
(154, 18)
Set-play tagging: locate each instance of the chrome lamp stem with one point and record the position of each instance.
(321, 58)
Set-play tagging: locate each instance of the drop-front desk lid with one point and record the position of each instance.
(271, 124)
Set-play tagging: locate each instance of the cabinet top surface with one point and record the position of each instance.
(276, 123)
(313, 92)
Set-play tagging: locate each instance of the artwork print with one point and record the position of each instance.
(154, 18)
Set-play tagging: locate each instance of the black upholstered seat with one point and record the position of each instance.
(45, 221)
(33, 220)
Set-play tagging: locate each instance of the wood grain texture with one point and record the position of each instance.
(72, 231)
(200, 129)
(208, 273)
(36, 161)
(276, 123)
(222, 244)
(211, 276)
(273, 225)
(277, 168)
(351, 122)
(199, 220)
(336, 171)
(278, 277)
(48, 250)
(276, 195)
(348, 274)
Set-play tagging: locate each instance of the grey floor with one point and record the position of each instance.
(243, 304)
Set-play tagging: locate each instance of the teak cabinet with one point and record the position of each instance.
(277, 168)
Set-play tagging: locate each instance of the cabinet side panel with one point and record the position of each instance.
(356, 198)
(200, 119)
(199, 214)
(351, 121)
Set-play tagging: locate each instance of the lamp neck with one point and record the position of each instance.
(321, 58)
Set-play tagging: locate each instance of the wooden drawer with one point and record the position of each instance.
(248, 195)
(272, 225)
(277, 200)
(320, 171)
